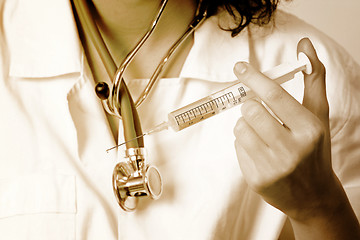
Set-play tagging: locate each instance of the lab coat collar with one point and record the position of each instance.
(42, 38)
(215, 53)
(45, 43)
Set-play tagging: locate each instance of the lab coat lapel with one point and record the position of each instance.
(95, 164)
(93, 131)
(46, 45)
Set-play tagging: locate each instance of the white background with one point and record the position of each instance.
(339, 19)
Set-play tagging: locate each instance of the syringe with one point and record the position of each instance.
(226, 98)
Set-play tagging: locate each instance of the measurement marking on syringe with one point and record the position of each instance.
(242, 92)
(205, 108)
(231, 96)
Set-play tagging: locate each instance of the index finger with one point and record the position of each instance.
(283, 105)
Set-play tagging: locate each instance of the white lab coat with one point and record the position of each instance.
(55, 175)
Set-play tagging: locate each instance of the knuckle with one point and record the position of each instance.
(251, 110)
(256, 185)
(260, 184)
(240, 126)
(321, 69)
(324, 110)
(315, 132)
(274, 94)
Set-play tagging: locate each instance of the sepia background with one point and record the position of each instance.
(338, 19)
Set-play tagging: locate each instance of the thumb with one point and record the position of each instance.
(315, 90)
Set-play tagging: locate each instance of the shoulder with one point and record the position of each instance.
(215, 52)
(342, 71)
(271, 44)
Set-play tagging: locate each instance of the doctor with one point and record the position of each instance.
(54, 130)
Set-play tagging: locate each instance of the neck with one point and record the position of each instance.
(123, 22)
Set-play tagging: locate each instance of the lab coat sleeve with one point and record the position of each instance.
(343, 94)
(343, 80)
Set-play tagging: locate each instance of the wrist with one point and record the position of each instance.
(331, 217)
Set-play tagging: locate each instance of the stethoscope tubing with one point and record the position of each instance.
(131, 122)
(119, 100)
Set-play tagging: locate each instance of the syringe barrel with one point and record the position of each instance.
(232, 96)
(209, 106)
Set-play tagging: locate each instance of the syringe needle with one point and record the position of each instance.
(107, 150)
(157, 128)
(235, 94)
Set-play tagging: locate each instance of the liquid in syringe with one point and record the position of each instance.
(227, 98)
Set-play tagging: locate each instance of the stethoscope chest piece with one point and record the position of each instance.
(133, 178)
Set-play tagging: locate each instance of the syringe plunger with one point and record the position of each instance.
(229, 97)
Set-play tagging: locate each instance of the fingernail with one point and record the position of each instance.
(240, 68)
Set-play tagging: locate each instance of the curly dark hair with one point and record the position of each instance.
(244, 12)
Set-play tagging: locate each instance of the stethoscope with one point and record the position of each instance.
(133, 177)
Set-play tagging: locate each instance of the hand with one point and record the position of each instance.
(289, 163)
